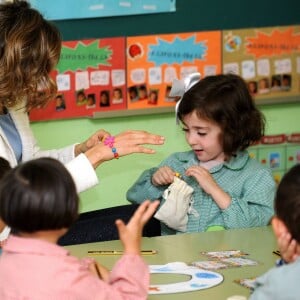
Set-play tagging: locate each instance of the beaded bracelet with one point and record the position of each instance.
(109, 141)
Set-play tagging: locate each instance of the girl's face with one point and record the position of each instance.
(104, 98)
(153, 96)
(204, 137)
(117, 94)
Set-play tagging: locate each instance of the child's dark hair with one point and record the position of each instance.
(38, 195)
(4, 167)
(287, 201)
(226, 101)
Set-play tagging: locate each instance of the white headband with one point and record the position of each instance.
(179, 87)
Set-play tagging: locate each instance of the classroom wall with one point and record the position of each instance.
(192, 15)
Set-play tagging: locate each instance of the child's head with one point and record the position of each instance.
(286, 80)
(252, 87)
(287, 204)
(104, 98)
(263, 83)
(276, 81)
(29, 49)
(225, 101)
(133, 92)
(91, 99)
(153, 97)
(81, 97)
(168, 90)
(142, 92)
(4, 166)
(38, 195)
(59, 100)
(117, 93)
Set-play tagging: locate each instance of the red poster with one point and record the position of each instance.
(90, 77)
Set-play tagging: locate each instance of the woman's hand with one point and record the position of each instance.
(163, 176)
(131, 234)
(125, 143)
(91, 141)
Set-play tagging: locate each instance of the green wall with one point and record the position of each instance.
(117, 176)
(192, 15)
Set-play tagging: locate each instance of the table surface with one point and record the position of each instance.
(258, 242)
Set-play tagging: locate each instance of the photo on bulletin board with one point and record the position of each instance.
(90, 77)
(267, 58)
(154, 61)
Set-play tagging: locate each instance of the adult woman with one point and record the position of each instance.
(29, 49)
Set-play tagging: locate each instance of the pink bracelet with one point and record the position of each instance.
(109, 141)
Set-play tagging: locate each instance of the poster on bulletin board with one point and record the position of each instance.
(267, 58)
(90, 77)
(154, 61)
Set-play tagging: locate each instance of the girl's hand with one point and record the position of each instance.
(209, 185)
(204, 178)
(287, 247)
(131, 234)
(91, 141)
(163, 176)
(125, 143)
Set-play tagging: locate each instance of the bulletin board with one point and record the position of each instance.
(267, 58)
(154, 61)
(214, 16)
(97, 78)
(90, 77)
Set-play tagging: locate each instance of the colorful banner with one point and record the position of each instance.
(78, 9)
(267, 58)
(90, 77)
(117, 74)
(154, 61)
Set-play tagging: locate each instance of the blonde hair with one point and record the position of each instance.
(29, 49)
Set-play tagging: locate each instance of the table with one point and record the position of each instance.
(258, 242)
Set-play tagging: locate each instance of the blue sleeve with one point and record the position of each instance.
(270, 285)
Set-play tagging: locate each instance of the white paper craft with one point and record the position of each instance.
(200, 279)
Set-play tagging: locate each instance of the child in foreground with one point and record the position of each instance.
(38, 200)
(4, 168)
(230, 189)
(282, 282)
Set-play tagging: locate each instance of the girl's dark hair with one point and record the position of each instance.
(4, 167)
(287, 201)
(226, 101)
(29, 49)
(38, 195)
